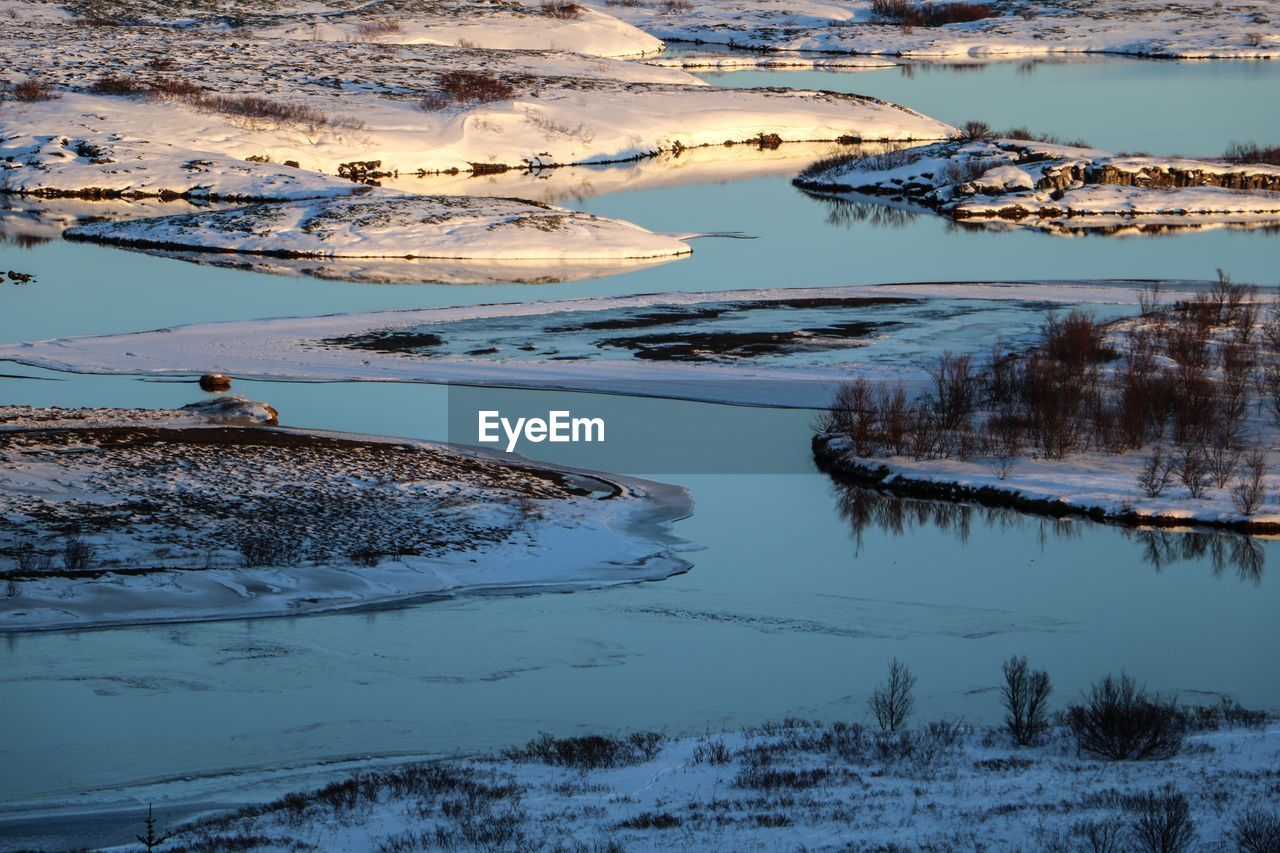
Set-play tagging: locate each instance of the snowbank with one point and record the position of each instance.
(489, 26)
(250, 521)
(784, 785)
(1198, 29)
(358, 108)
(1054, 187)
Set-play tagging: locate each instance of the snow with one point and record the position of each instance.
(959, 316)
(945, 787)
(385, 224)
(772, 62)
(1196, 29)
(1058, 188)
(489, 26)
(364, 102)
(173, 534)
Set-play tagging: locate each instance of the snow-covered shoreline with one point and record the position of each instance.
(288, 348)
(1091, 485)
(158, 541)
(1199, 29)
(1062, 189)
(945, 785)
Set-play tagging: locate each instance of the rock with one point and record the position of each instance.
(235, 410)
(215, 382)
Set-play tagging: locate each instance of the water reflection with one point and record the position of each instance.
(865, 509)
(851, 212)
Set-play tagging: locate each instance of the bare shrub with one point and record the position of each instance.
(907, 13)
(378, 27)
(77, 555)
(1192, 467)
(1162, 822)
(1252, 152)
(1149, 299)
(955, 389)
(27, 560)
(712, 752)
(117, 84)
(963, 171)
(464, 87)
(1119, 721)
(268, 549)
(1257, 831)
(1251, 488)
(11, 587)
(31, 90)
(1156, 472)
(258, 109)
(175, 87)
(561, 10)
(589, 752)
(1075, 340)
(675, 7)
(365, 557)
(1098, 836)
(893, 701)
(974, 130)
(1026, 701)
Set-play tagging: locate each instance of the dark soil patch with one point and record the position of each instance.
(703, 346)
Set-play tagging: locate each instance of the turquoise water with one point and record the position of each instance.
(787, 610)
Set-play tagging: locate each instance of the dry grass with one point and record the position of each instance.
(907, 13)
(467, 87)
(561, 10)
(33, 90)
(118, 84)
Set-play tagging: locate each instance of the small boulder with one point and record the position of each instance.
(215, 382)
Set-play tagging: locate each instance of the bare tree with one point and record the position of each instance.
(77, 555)
(1251, 487)
(893, 701)
(1149, 299)
(1193, 470)
(1162, 822)
(1026, 701)
(1156, 472)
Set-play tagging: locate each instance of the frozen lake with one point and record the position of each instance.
(788, 610)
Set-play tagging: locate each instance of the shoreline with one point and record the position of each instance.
(880, 476)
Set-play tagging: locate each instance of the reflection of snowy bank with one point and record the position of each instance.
(787, 347)
(125, 516)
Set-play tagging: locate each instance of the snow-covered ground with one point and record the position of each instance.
(787, 785)
(107, 524)
(1057, 188)
(784, 347)
(384, 224)
(1200, 29)
(364, 103)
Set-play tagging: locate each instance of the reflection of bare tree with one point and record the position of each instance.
(846, 213)
(864, 508)
(1244, 554)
